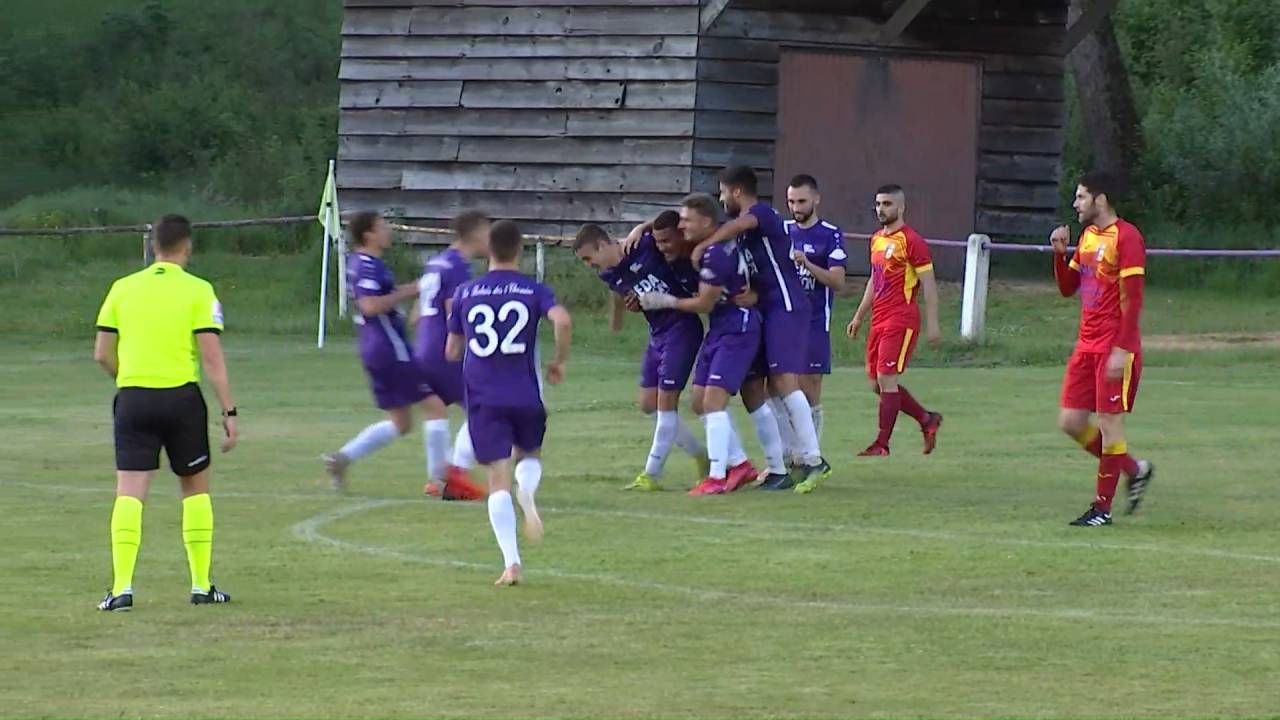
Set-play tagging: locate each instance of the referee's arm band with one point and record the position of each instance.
(215, 331)
(104, 328)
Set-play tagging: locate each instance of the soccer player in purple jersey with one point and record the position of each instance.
(729, 349)
(396, 381)
(674, 337)
(495, 322)
(818, 250)
(785, 312)
(440, 278)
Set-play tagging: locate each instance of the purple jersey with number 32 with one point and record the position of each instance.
(498, 314)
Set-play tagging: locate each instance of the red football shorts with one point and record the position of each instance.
(889, 350)
(1085, 386)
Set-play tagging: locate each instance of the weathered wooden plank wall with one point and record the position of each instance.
(553, 112)
(562, 111)
(1023, 109)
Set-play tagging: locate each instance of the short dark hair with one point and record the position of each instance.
(505, 241)
(891, 189)
(1101, 182)
(741, 177)
(803, 180)
(590, 234)
(361, 223)
(703, 204)
(169, 232)
(666, 220)
(467, 222)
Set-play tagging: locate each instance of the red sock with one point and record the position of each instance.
(913, 408)
(1128, 465)
(1108, 478)
(890, 406)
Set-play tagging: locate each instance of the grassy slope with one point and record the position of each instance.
(940, 586)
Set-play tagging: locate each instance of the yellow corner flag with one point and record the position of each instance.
(329, 215)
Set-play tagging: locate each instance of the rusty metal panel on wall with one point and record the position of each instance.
(858, 121)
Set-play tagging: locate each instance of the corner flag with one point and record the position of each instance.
(330, 217)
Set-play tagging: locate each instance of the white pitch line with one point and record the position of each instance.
(309, 530)
(1185, 551)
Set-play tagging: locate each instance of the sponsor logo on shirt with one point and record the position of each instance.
(636, 267)
(707, 274)
(217, 312)
(838, 254)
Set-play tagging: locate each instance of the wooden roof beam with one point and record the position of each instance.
(901, 18)
(1097, 11)
(710, 12)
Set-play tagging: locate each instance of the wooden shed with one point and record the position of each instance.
(559, 112)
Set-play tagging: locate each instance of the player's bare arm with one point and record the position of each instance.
(728, 231)
(453, 347)
(1068, 278)
(617, 310)
(215, 371)
(383, 304)
(832, 277)
(562, 326)
(860, 315)
(929, 284)
(104, 352)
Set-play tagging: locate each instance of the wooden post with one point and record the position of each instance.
(977, 264)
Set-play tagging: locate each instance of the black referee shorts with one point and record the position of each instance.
(176, 419)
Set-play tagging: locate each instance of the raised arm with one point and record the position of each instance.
(728, 231)
(1066, 273)
(371, 305)
(832, 277)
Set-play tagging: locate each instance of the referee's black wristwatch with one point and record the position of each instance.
(233, 412)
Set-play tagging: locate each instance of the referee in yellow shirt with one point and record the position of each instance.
(154, 329)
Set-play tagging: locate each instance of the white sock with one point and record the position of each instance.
(817, 422)
(502, 516)
(529, 475)
(370, 440)
(770, 440)
(664, 433)
(737, 453)
(785, 429)
(719, 428)
(686, 440)
(463, 455)
(435, 440)
(802, 420)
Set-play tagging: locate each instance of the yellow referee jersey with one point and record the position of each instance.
(157, 313)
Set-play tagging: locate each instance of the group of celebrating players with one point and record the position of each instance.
(766, 286)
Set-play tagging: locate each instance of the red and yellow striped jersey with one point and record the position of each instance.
(1104, 257)
(897, 259)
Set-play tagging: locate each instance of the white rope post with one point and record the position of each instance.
(977, 266)
(146, 246)
(540, 261)
(324, 283)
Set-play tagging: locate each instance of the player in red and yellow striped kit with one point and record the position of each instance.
(1108, 269)
(900, 269)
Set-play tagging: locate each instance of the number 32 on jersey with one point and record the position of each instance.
(483, 319)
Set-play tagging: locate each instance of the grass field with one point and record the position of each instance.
(940, 586)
